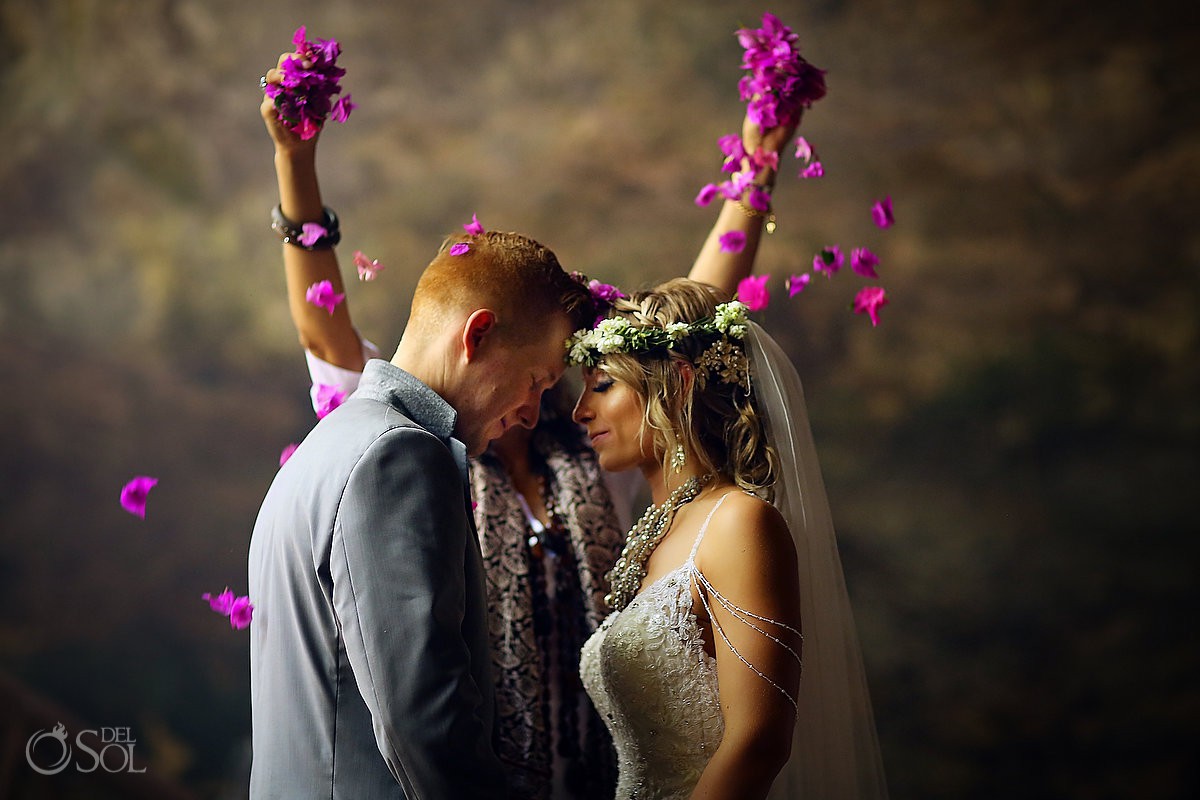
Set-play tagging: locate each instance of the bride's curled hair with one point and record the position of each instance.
(715, 421)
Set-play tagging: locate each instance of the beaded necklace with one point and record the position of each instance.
(630, 570)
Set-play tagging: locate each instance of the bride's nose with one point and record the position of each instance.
(582, 413)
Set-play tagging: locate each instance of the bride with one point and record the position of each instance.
(729, 666)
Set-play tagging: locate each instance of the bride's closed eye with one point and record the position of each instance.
(602, 385)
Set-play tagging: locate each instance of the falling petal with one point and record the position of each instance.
(368, 268)
(753, 292)
(829, 260)
(864, 262)
(459, 249)
(881, 212)
(342, 108)
(759, 200)
(733, 242)
(312, 232)
(813, 170)
(869, 300)
(286, 453)
(796, 283)
(804, 150)
(473, 227)
(222, 603)
(241, 613)
(321, 295)
(133, 494)
(706, 195)
(328, 398)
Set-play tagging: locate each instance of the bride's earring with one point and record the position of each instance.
(678, 459)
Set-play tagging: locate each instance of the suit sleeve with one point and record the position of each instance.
(399, 594)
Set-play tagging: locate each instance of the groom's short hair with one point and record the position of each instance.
(517, 277)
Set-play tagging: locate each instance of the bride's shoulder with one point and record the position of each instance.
(746, 526)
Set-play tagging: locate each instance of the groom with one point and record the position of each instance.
(369, 662)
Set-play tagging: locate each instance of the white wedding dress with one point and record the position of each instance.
(655, 687)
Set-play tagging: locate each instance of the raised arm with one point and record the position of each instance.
(724, 270)
(329, 337)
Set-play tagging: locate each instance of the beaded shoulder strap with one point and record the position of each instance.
(704, 528)
(744, 616)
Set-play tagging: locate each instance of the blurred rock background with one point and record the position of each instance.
(1010, 455)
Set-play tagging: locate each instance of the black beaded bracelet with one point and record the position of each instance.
(290, 233)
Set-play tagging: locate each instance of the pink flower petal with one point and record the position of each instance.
(473, 227)
(732, 242)
(804, 150)
(241, 613)
(459, 249)
(869, 300)
(368, 268)
(753, 292)
(342, 108)
(222, 603)
(286, 453)
(759, 200)
(706, 195)
(864, 262)
(795, 284)
(813, 170)
(311, 232)
(133, 494)
(881, 212)
(321, 295)
(829, 260)
(328, 398)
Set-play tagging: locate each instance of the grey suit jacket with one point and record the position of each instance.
(369, 664)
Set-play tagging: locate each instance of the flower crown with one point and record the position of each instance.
(723, 359)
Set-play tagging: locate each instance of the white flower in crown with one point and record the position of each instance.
(677, 331)
(730, 319)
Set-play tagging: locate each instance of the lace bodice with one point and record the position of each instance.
(646, 670)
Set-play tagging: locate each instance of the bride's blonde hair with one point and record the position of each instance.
(715, 421)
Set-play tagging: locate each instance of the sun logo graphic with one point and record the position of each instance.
(56, 752)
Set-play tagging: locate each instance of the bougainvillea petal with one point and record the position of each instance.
(813, 170)
(864, 262)
(732, 242)
(328, 398)
(368, 268)
(321, 295)
(706, 194)
(796, 283)
(829, 260)
(311, 233)
(804, 150)
(473, 227)
(869, 300)
(882, 213)
(241, 613)
(753, 292)
(286, 453)
(133, 494)
(460, 248)
(221, 603)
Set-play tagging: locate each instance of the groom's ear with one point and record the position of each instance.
(479, 328)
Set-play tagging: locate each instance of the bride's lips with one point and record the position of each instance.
(596, 436)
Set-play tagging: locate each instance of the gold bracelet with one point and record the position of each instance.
(754, 212)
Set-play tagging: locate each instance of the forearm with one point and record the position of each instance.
(330, 337)
(722, 269)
